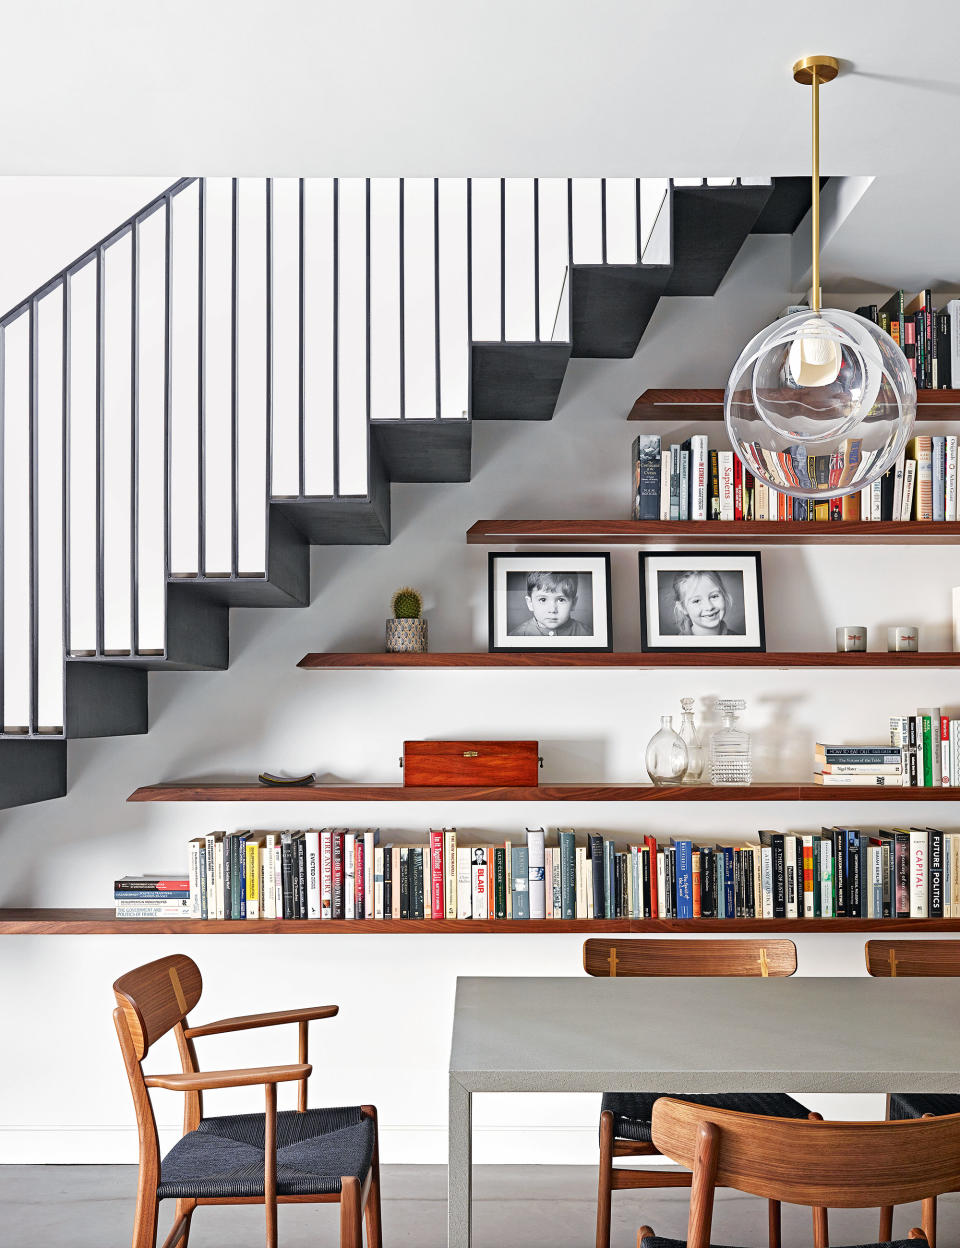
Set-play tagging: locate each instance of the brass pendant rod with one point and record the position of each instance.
(815, 193)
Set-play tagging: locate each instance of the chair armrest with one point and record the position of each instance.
(203, 1080)
(273, 1019)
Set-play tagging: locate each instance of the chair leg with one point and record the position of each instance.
(351, 1233)
(372, 1209)
(886, 1223)
(180, 1231)
(821, 1231)
(605, 1183)
(773, 1223)
(145, 1221)
(928, 1220)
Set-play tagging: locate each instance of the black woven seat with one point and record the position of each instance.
(657, 1241)
(632, 1111)
(224, 1156)
(916, 1104)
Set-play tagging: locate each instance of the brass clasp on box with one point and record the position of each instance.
(471, 753)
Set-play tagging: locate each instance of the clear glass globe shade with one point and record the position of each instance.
(820, 404)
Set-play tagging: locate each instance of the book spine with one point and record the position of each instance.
(337, 908)
(349, 879)
(418, 874)
(500, 882)
(699, 485)
(464, 885)
(596, 857)
(665, 485)
(950, 478)
(326, 874)
(437, 891)
(568, 876)
(684, 485)
(713, 499)
(945, 750)
(388, 889)
(535, 873)
(938, 460)
(314, 872)
(725, 465)
(766, 882)
(675, 481)
(918, 874)
(935, 874)
(450, 872)
(378, 882)
(370, 840)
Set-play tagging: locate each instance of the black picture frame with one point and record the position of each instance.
(654, 566)
(500, 640)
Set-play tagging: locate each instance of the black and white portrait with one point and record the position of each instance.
(549, 602)
(701, 601)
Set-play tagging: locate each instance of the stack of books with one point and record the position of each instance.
(929, 337)
(850, 765)
(165, 895)
(339, 873)
(692, 481)
(923, 752)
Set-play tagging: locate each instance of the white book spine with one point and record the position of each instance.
(538, 905)
(588, 884)
(557, 885)
(349, 856)
(311, 843)
(955, 754)
(773, 505)
(947, 876)
(450, 872)
(581, 882)
(210, 845)
(278, 879)
(219, 883)
(953, 308)
(464, 889)
(698, 469)
(684, 485)
(196, 887)
(946, 758)
(661, 887)
(268, 884)
(898, 484)
(950, 478)
(761, 495)
(876, 500)
(378, 883)
(326, 874)
(370, 838)
(725, 468)
(548, 880)
(508, 854)
(909, 485)
(794, 886)
(865, 496)
(918, 874)
(665, 485)
(766, 880)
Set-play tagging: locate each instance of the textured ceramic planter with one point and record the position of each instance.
(406, 636)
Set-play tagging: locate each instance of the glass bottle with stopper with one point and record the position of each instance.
(691, 739)
(666, 757)
(730, 761)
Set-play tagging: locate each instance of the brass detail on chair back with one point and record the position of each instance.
(764, 965)
(613, 960)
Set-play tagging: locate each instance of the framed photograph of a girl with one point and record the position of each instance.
(549, 602)
(701, 600)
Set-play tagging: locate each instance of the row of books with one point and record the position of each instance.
(692, 481)
(346, 874)
(929, 337)
(924, 752)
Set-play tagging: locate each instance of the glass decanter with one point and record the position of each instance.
(691, 739)
(730, 761)
(666, 754)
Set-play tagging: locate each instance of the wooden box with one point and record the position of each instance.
(499, 763)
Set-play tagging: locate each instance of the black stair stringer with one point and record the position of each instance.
(345, 521)
(33, 770)
(611, 305)
(710, 225)
(102, 699)
(516, 380)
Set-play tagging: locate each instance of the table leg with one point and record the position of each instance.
(459, 1166)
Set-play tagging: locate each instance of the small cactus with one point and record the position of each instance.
(406, 604)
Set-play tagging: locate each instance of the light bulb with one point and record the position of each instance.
(814, 360)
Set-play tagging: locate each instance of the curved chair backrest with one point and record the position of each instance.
(850, 1165)
(157, 996)
(891, 958)
(689, 957)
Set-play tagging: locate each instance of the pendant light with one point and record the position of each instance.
(821, 402)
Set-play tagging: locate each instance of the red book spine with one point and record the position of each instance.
(737, 488)
(651, 844)
(359, 892)
(945, 758)
(436, 875)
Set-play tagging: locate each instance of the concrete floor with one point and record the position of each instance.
(515, 1207)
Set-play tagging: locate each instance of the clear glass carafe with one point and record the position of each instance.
(730, 761)
(666, 754)
(691, 739)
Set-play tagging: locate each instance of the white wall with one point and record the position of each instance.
(390, 1043)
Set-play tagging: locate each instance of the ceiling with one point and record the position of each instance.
(503, 87)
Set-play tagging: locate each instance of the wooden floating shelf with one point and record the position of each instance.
(708, 405)
(344, 660)
(227, 791)
(103, 922)
(713, 532)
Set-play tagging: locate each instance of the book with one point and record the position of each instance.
(725, 467)
(920, 450)
(646, 477)
(868, 780)
(935, 874)
(665, 485)
(699, 484)
(450, 875)
(918, 874)
(314, 873)
(437, 890)
(567, 873)
(521, 883)
(464, 884)
(499, 890)
(535, 872)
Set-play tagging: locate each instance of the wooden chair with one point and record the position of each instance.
(302, 1155)
(894, 958)
(625, 1117)
(841, 1165)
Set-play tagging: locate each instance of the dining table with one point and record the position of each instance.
(799, 1035)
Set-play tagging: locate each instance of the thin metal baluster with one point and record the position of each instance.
(470, 279)
(3, 527)
(201, 386)
(603, 220)
(33, 485)
(134, 438)
(536, 259)
(98, 474)
(336, 337)
(503, 259)
(65, 478)
(436, 291)
(234, 463)
(403, 360)
(167, 384)
(301, 311)
(268, 243)
(367, 311)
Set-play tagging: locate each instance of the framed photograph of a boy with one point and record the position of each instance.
(549, 602)
(701, 600)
